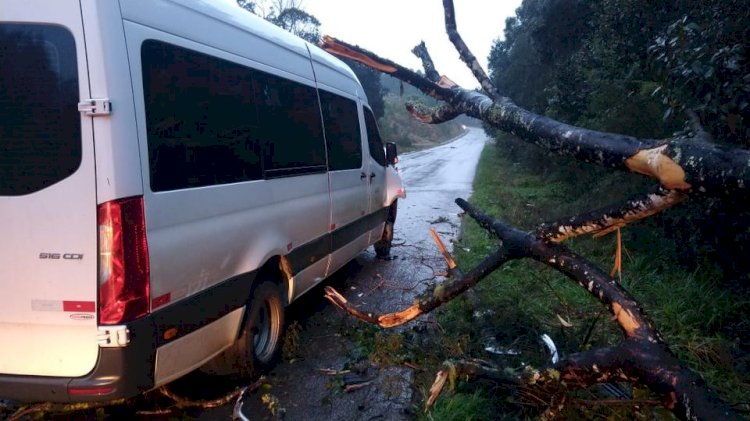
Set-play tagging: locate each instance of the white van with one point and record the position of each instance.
(172, 174)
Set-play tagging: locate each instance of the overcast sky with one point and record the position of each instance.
(391, 28)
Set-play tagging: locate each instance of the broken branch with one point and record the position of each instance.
(643, 362)
(475, 368)
(466, 55)
(624, 308)
(430, 300)
(342, 49)
(443, 250)
(605, 220)
(429, 115)
(429, 67)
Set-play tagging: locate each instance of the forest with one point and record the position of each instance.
(650, 70)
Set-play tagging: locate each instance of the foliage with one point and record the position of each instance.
(298, 22)
(702, 63)
(597, 63)
(290, 346)
(637, 67)
(248, 5)
(286, 14)
(463, 406)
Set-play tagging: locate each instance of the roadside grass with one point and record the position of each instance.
(462, 406)
(705, 323)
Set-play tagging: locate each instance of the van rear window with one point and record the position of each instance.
(40, 127)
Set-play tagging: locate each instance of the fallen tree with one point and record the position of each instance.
(684, 166)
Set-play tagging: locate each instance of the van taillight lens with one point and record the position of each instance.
(124, 284)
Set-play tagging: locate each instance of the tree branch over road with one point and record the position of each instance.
(687, 164)
(683, 166)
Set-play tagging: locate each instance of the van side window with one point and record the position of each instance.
(212, 121)
(377, 149)
(290, 129)
(342, 132)
(200, 117)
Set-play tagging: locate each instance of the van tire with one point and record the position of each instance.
(383, 246)
(258, 347)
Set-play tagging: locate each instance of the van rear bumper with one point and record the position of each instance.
(119, 373)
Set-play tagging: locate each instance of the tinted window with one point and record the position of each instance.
(342, 132)
(291, 134)
(377, 149)
(200, 117)
(40, 126)
(212, 121)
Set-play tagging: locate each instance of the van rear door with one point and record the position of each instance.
(48, 231)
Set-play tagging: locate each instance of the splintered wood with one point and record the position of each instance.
(443, 250)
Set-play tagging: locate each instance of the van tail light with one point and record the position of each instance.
(124, 279)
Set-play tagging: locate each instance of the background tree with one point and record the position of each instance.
(286, 14)
(645, 69)
(370, 80)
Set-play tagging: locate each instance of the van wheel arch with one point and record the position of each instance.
(260, 336)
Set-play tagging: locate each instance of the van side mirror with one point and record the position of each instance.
(391, 153)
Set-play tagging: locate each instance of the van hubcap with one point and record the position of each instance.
(267, 330)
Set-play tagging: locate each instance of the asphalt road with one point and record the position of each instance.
(434, 179)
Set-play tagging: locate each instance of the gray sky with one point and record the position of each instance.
(391, 28)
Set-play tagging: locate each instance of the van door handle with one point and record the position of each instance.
(362, 176)
(372, 175)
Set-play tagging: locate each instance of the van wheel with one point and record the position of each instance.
(259, 345)
(383, 246)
